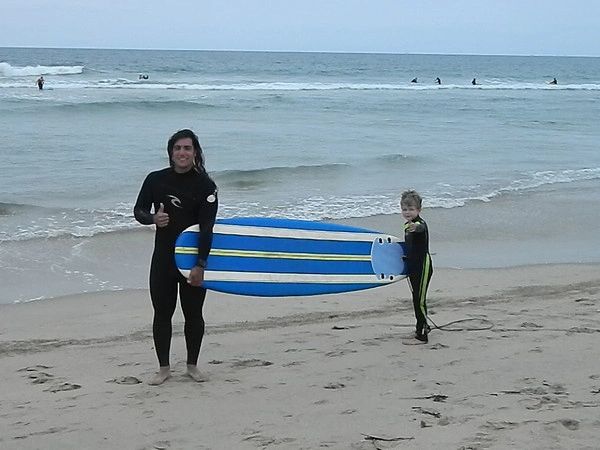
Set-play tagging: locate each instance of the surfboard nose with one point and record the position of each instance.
(387, 258)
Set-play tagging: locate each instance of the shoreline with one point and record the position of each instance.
(550, 227)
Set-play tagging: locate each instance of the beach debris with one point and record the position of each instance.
(435, 414)
(215, 361)
(505, 392)
(425, 424)
(434, 397)
(370, 437)
(125, 380)
(334, 386)
(595, 391)
(339, 327)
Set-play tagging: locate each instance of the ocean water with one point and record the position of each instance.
(300, 135)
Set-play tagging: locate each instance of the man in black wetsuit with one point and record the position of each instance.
(182, 195)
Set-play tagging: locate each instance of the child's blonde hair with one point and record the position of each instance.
(411, 198)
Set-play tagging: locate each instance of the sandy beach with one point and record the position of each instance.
(508, 169)
(320, 372)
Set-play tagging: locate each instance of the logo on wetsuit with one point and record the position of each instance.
(175, 201)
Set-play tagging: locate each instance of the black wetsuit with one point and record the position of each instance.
(189, 198)
(420, 270)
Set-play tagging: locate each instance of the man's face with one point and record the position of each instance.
(183, 155)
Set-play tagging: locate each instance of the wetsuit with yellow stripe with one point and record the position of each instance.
(420, 270)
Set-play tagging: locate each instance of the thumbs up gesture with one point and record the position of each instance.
(161, 218)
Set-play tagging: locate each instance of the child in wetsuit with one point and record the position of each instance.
(420, 269)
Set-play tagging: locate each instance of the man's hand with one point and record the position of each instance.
(196, 276)
(161, 218)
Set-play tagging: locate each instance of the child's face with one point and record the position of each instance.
(410, 212)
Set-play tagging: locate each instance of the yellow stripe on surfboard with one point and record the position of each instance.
(275, 255)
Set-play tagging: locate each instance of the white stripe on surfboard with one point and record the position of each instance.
(275, 255)
(322, 235)
(259, 277)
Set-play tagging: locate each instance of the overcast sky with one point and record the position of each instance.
(524, 27)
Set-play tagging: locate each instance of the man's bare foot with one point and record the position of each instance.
(163, 374)
(195, 374)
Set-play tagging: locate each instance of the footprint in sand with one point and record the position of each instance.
(569, 424)
(40, 377)
(125, 380)
(530, 325)
(585, 330)
(37, 376)
(437, 346)
(63, 387)
(34, 368)
(341, 352)
(252, 363)
(293, 363)
(160, 445)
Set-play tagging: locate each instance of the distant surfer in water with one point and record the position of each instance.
(438, 81)
(40, 83)
(182, 195)
(553, 81)
(414, 80)
(474, 81)
(143, 76)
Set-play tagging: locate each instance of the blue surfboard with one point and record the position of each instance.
(267, 257)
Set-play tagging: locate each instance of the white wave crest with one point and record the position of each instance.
(6, 70)
(85, 223)
(164, 84)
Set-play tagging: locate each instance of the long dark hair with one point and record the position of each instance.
(198, 156)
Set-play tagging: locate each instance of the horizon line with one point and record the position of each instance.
(304, 51)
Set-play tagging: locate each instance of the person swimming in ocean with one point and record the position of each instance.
(40, 83)
(553, 81)
(474, 81)
(438, 81)
(414, 80)
(143, 76)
